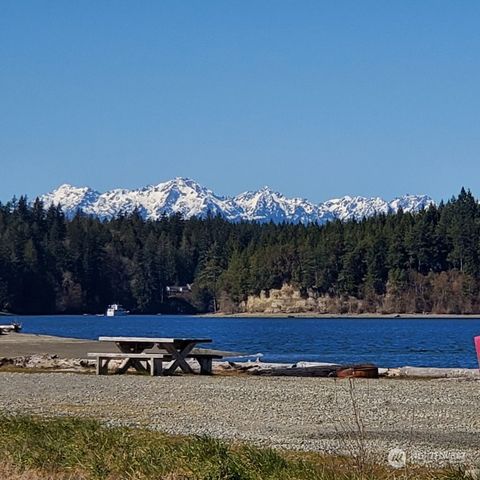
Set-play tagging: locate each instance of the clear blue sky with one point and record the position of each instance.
(316, 99)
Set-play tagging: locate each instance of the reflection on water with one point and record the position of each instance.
(386, 342)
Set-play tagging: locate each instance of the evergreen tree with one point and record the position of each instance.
(403, 262)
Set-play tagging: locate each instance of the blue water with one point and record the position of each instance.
(387, 343)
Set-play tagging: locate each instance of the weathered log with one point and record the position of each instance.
(431, 372)
(313, 371)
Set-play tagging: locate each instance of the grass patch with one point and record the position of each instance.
(78, 449)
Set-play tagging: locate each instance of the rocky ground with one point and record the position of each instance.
(434, 421)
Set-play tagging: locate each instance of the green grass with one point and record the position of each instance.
(66, 448)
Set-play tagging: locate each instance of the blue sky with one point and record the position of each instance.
(316, 99)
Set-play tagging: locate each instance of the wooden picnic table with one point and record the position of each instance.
(177, 350)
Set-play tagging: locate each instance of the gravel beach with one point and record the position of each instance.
(435, 421)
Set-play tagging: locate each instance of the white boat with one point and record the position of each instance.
(116, 310)
(14, 327)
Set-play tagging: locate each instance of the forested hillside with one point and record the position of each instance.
(424, 262)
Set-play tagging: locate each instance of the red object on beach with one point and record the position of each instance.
(358, 371)
(477, 347)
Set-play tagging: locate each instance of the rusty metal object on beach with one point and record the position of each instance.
(358, 371)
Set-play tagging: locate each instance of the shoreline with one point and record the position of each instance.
(332, 316)
(43, 349)
(298, 315)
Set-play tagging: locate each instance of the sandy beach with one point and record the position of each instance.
(21, 344)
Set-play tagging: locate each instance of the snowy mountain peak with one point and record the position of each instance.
(72, 198)
(188, 198)
(348, 208)
(410, 203)
(182, 183)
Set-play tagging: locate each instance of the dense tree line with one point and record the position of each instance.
(423, 262)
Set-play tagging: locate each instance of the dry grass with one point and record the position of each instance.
(10, 472)
(73, 449)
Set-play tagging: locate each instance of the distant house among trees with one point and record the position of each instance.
(178, 290)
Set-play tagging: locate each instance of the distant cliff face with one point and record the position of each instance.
(440, 294)
(289, 300)
(189, 199)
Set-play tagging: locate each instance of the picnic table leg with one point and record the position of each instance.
(134, 363)
(131, 362)
(155, 367)
(178, 357)
(138, 365)
(124, 366)
(102, 366)
(205, 366)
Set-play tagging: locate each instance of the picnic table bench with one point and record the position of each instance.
(140, 361)
(176, 351)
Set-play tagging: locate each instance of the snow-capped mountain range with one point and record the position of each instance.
(188, 198)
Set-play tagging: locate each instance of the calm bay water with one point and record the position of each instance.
(387, 343)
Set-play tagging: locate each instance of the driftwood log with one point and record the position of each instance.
(305, 369)
(314, 371)
(432, 372)
(302, 369)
